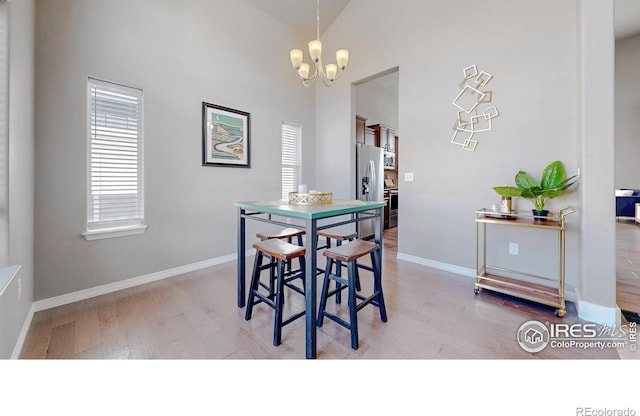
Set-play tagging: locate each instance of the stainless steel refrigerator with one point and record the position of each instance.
(369, 182)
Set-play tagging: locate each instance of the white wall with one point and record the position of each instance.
(227, 53)
(534, 88)
(627, 120)
(13, 311)
(597, 274)
(180, 58)
(377, 104)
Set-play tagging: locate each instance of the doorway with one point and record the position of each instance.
(377, 109)
(628, 268)
(627, 149)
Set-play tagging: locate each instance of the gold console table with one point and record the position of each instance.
(538, 289)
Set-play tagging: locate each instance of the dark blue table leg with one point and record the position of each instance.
(241, 259)
(379, 227)
(311, 290)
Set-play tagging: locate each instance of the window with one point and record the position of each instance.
(115, 200)
(290, 158)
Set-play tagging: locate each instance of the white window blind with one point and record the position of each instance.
(290, 158)
(115, 197)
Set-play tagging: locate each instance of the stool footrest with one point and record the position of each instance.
(337, 319)
(365, 301)
(335, 291)
(293, 287)
(295, 273)
(293, 318)
(266, 286)
(339, 279)
(265, 299)
(364, 266)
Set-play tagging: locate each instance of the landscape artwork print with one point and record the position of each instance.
(225, 136)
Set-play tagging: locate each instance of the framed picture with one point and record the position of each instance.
(225, 136)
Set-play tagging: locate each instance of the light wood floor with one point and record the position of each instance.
(628, 265)
(432, 314)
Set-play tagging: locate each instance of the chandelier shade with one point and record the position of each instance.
(330, 72)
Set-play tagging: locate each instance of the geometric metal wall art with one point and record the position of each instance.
(474, 115)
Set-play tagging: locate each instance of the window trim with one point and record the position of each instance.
(298, 165)
(103, 233)
(126, 227)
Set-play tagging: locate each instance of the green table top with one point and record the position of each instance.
(337, 207)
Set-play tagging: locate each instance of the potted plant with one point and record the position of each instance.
(553, 183)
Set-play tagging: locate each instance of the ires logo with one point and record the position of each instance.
(534, 336)
(573, 330)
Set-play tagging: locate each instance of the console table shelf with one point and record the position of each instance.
(538, 289)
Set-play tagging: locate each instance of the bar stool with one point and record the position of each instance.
(289, 234)
(349, 253)
(337, 236)
(282, 252)
(339, 239)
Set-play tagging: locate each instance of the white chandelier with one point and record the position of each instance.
(331, 72)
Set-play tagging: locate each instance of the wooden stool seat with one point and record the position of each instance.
(349, 253)
(352, 251)
(279, 249)
(283, 233)
(280, 252)
(337, 236)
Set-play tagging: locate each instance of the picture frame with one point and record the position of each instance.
(226, 136)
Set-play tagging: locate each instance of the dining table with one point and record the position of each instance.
(311, 219)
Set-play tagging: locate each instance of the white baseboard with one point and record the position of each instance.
(599, 314)
(464, 271)
(23, 334)
(570, 294)
(53, 302)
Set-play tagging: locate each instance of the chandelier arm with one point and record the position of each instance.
(326, 81)
(340, 72)
(309, 81)
(314, 75)
(323, 75)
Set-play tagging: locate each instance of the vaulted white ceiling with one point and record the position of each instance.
(300, 15)
(627, 23)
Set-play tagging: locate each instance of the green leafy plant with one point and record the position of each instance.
(553, 183)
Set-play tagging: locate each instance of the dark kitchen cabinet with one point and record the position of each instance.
(385, 137)
(395, 150)
(364, 134)
(361, 126)
(369, 136)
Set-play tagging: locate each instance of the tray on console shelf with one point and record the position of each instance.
(552, 216)
(500, 215)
